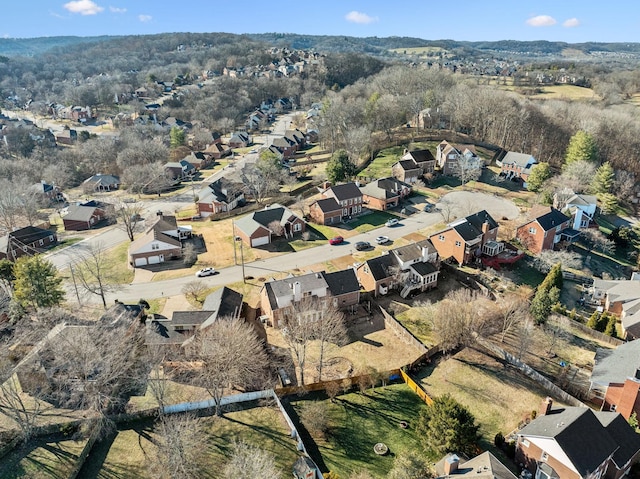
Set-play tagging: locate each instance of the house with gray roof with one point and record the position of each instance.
(87, 215)
(261, 227)
(101, 182)
(622, 298)
(384, 193)
(582, 208)
(546, 228)
(482, 466)
(517, 165)
(348, 196)
(325, 211)
(278, 298)
(219, 197)
(577, 443)
(161, 242)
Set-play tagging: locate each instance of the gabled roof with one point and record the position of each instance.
(79, 213)
(26, 235)
(582, 200)
(152, 235)
(470, 228)
(121, 311)
(408, 165)
(103, 180)
(328, 205)
(616, 365)
(222, 303)
(342, 282)
(548, 218)
(627, 440)
(420, 156)
(483, 466)
(384, 188)
(410, 252)
(345, 191)
(248, 224)
(380, 267)
(519, 159)
(578, 432)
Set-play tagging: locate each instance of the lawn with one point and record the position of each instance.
(359, 421)
(127, 455)
(367, 222)
(380, 167)
(412, 320)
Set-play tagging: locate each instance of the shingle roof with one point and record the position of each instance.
(410, 252)
(582, 200)
(616, 365)
(223, 303)
(423, 268)
(625, 437)
(407, 165)
(550, 217)
(421, 155)
(327, 205)
(342, 282)
(103, 180)
(248, 224)
(346, 191)
(384, 188)
(380, 266)
(470, 228)
(520, 159)
(578, 432)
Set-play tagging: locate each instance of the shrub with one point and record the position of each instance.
(510, 451)
(498, 440)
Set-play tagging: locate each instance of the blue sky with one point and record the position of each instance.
(555, 20)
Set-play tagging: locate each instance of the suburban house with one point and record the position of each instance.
(547, 228)
(582, 208)
(615, 378)
(26, 241)
(179, 170)
(348, 196)
(278, 298)
(224, 303)
(198, 159)
(577, 443)
(622, 298)
(384, 193)
(217, 150)
(297, 136)
(410, 268)
(219, 197)
(101, 182)
(468, 238)
(46, 191)
(240, 139)
(259, 227)
(66, 137)
(161, 242)
(285, 145)
(448, 156)
(325, 211)
(517, 165)
(482, 466)
(121, 312)
(413, 165)
(87, 215)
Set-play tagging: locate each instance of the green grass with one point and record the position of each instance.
(322, 232)
(371, 221)
(359, 421)
(414, 322)
(380, 167)
(64, 243)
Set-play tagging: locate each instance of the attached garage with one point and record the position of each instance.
(261, 241)
(141, 262)
(155, 259)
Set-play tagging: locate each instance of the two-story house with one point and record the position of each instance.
(348, 196)
(325, 211)
(467, 238)
(413, 165)
(384, 193)
(162, 241)
(547, 228)
(517, 165)
(582, 208)
(220, 196)
(448, 156)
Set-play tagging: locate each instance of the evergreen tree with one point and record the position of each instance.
(539, 174)
(553, 278)
(593, 320)
(582, 146)
(447, 426)
(608, 203)
(177, 137)
(339, 167)
(610, 328)
(37, 283)
(603, 179)
(542, 303)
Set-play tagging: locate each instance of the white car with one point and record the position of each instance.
(205, 272)
(382, 239)
(392, 222)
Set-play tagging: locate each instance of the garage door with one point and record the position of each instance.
(154, 259)
(260, 241)
(141, 261)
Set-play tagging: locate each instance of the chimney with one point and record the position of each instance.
(485, 227)
(451, 464)
(547, 404)
(297, 291)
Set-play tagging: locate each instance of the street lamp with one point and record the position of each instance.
(237, 238)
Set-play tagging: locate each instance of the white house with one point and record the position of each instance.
(582, 208)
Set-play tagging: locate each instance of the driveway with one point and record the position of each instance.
(465, 203)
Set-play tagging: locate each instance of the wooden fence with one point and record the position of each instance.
(416, 388)
(583, 328)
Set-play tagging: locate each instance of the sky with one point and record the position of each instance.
(570, 21)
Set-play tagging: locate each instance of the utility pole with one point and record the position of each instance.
(75, 285)
(233, 232)
(244, 278)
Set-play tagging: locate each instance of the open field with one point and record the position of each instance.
(128, 455)
(380, 167)
(359, 421)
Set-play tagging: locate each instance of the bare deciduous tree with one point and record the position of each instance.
(314, 415)
(598, 241)
(128, 216)
(194, 290)
(94, 272)
(24, 410)
(524, 337)
(446, 210)
(250, 461)
(547, 259)
(179, 443)
(510, 310)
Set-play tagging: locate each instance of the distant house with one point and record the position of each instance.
(577, 443)
(384, 193)
(297, 136)
(161, 242)
(408, 268)
(517, 165)
(217, 151)
(66, 137)
(466, 239)
(26, 241)
(285, 145)
(198, 159)
(348, 196)
(240, 139)
(87, 215)
(582, 208)
(101, 182)
(325, 211)
(219, 197)
(279, 297)
(47, 191)
(260, 227)
(547, 228)
(622, 298)
(413, 166)
(615, 379)
(448, 156)
(179, 170)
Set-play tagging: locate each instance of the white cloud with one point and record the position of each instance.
(571, 22)
(359, 17)
(145, 18)
(541, 21)
(117, 10)
(83, 7)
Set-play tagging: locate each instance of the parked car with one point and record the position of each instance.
(336, 240)
(362, 245)
(392, 222)
(205, 272)
(382, 239)
(428, 207)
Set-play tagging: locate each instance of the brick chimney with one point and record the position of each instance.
(546, 406)
(451, 464)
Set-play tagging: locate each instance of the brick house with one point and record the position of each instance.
(424, 159)
(348, 196)
(26, 241)
(325, 211)
(577, 443)
(467, 238)
(448, 156)
(406, 171)
(220, 196)
(517, 165)
(384, 193)
(216, 151)
(278, 298)
(547, 228)
(615, 379)
(260, 227)
(622, 298)
(87, 215)
(240, 139)
(161, 242)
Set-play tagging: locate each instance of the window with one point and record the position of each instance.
(544, 456)
(441, 237)
(612, 408)
(350, 201)
(24, 248)
(297, 227)
(458, 244)
(532, 230)
(51, 238)
(155, 246)
(41, 242)
(525, 443)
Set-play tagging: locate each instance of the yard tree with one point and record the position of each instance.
(177, 137)
(179, 442)
(231, 355)
(553, 278)
(609, 203)
(7, 277)
(542, 303)
(330, 330)
(447, 426)
(597, 240)
(128, 216)
(315, 417)
(603, 180)
(339, 167)
(37, 284)
(539, 174)
(547, 259)
(582, 146)
(468, 169)
(94, 270)
(511, 310)
(610, 329)
(250, 461)
(263, 178)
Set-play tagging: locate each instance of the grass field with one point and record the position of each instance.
(359, 421)
(380, 167)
